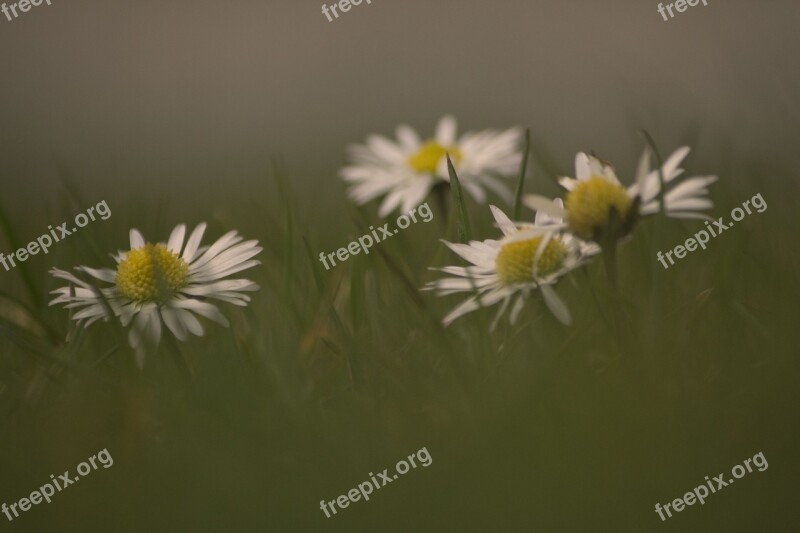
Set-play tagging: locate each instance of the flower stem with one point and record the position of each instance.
(441, 192)
(610, 264)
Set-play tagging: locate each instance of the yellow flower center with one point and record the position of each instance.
(589, 205)
(514, 263)
(151, 274)
(427, 158)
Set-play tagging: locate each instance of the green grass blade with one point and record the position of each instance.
(659, 163)
(315, 268)
(523, 169)
(22, 268)
(458, 200)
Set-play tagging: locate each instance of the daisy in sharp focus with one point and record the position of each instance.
(595, 197)
(404, 171)
(528, 257)
(163, 283)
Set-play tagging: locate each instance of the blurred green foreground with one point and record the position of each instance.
(330, 375)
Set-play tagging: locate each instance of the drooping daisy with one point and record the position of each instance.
(596, 197)
(529, 256)
(169, 283)
(404, 171)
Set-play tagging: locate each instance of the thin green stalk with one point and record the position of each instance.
(612, 275)
(523, 169)
(610, 263)
(22, 268)
(655, 300)
(440, 193)
(659, 163)
(458, 201)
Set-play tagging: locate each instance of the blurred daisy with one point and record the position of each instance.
(169, 283)
(528, 257)
(596, 195)
(404, 171)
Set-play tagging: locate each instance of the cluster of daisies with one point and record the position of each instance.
(596, 213)
(170, 284)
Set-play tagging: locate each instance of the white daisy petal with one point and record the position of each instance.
(140, 356)
(497, 187)
(138, 329)
(215, 274)
(193, 243)
(175, 242)
(546, 205)
(69, 277)
(408, 138)
(174, 323)
(234, 254)
(136, 238)
(556, 305)
(527, 234)
(154, 327)
(691, 187)
(134, 339)
(546, 238)
(689, 204)
(104, 274)
(234, 298)
(226, 241)
(489, 298)
(567, 183)
(500, 313)
(583, 170)
(643, 169)
(415, 194)
(672, 163)
(204, 309)
(690, 214)
(443, 171)
(207, 289)
(392, 201)
(544, 219)
(461, 284)
(190, 322)
(516, 310)
(503, 222)
(90, 311)
(467, 306)
(446, 131)
(473, 254)
(476, 192)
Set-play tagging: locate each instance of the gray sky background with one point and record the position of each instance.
(187, 96)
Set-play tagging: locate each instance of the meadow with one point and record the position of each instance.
(329, 375)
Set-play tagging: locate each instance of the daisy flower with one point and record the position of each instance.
(405, 170)
(528, 257)
(164, 282)
(595, 195)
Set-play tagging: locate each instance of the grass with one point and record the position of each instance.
(330, 375)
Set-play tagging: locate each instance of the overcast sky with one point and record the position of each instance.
(163, 92)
